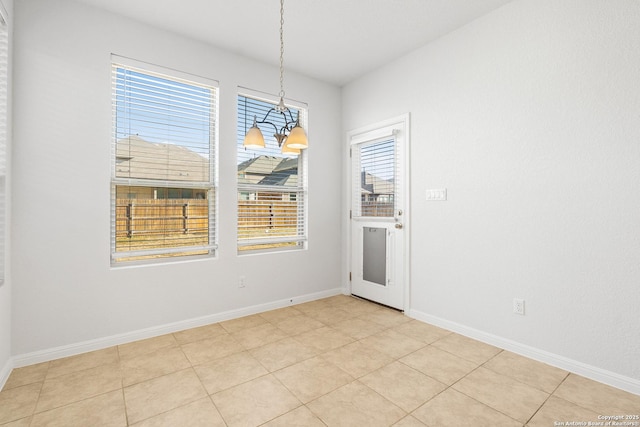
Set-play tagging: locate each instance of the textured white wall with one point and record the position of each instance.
(5, 289)
(530, 117)
(65, 291)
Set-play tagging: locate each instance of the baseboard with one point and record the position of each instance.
(5, 372)
(592, 372)
(101, 343)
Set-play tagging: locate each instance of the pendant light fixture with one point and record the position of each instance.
(291, 133)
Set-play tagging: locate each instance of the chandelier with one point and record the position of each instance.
(290, 137)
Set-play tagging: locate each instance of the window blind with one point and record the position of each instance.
(272, 187)
(4, 84)
(164, 145)
(375, 180)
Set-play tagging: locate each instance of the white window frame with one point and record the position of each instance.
(4, 136)
(178, 253)
(300, 240)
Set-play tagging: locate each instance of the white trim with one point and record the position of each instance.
(271, 98)
(270, 240)
(101, 343)
(167, 251)
(574, 366)
(5, 372)
(374, 135)
(162, 70)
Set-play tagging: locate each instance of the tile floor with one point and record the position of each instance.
(338, 361)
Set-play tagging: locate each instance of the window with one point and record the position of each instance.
(4, 84)
(272, 187)
(375, 187)
(163, 193)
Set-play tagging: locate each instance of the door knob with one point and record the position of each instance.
(399, 226)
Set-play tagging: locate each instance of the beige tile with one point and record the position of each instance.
(199, 333)
(210, 349)
(421, 331)
(255, 402)
(312, 378)
(438, 364)
(282, 353)
(467, 348)
(83, 361)
(312, 305)
(357, 359)
(104, 410)
(392, 343)
(258, 336)
(386, 317)
(152, 365)
(148, 345)
(26, 375)
(162, 394)
(409, 421)
(299, 417)
(69, 388)
(359, 307)
(536, 374)
(513, 398)
(323, 339)
(298, 324)
(275, 316)
(556, 410)
(23, 422)
(18, 402)
(451, 408)
(339, 300)
(358, 328)
(598, 397)
(241, 323)
(403, 385)
(229, 371)
(329, 315)
(355, 405)
(201, 413)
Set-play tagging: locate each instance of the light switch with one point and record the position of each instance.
(439, 194)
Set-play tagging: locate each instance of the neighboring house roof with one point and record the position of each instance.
(374, 185)
(137, 158)
(287, 164)
(269, 170)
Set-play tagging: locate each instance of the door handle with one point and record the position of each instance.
(399, 225)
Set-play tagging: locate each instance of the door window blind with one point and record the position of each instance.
(272, 187)
(375, 178)
(164, 145)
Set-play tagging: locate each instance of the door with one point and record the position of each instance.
(379, 216)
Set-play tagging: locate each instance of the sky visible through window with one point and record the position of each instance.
(161, 110)
(378, 159)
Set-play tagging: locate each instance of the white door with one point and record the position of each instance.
(379, 217)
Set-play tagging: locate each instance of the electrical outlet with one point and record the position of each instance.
(241, 282)
(518, 306)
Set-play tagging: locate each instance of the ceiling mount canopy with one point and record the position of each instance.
(291, 137)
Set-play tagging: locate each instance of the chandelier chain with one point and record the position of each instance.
(281, 49)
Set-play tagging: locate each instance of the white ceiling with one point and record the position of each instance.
(332, 40)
